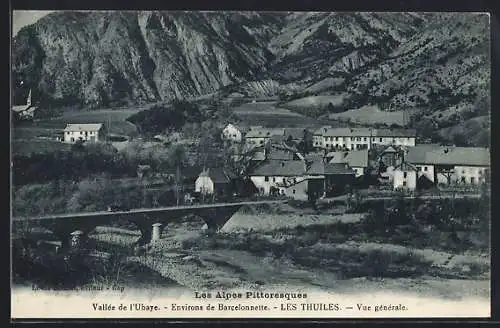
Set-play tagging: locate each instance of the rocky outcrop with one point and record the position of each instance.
(101, 57)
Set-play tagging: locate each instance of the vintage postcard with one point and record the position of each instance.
(235, 164)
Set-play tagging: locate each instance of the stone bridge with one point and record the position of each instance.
(72, 227)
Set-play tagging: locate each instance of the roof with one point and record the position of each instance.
(259, 132)
(259, 155)
(394, 132)
(355, 158)
(390, 149)
(83, 127)
(280, 154)
(277, 138)
(239, 127)
(446, 155)
(217, 175)
(320, 168)
(343, 132)
(314, 156)
(280, 168)
(364, 132)
(405, 167)
(20, 108)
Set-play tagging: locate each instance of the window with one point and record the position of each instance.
(336, 138)
(359, 139)
(463, 179)
(380, 139)
(274, 179)
(364, 139)
(425, 168)
(266, 179)
(419, 168)
(404, 183)
(405, 174)
(352, 138)
(472, 180)
(293, 191)
(373, 139)
(284, 180)
(261, 142)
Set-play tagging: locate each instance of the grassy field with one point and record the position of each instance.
(267, 114)
(116, 117)
(371, 115)
(28, 138)
(315, 101)
(25, 147)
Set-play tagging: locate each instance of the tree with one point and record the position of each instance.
(312, 197)
(178, 157)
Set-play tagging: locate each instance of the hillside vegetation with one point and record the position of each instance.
(433, 64)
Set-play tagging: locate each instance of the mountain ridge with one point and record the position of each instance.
(436, 62)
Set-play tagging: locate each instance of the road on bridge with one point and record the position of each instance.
(372, 199)
(155, 210)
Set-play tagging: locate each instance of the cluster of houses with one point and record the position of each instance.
(347, 156)
(337, 158)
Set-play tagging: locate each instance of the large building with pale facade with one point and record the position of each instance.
(361, 138)
(92, 132)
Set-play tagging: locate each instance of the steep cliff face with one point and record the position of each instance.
(313, 46)
(101, 57)
(446, 64)
(396, 60)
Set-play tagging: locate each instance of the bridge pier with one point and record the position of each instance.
(156, 233)
(76, 240)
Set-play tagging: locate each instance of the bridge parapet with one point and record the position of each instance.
(148, 221)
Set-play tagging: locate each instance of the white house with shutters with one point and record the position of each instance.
(92, 132)
(361, 138)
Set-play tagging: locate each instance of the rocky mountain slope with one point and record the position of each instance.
(97, 58)
(437, 63)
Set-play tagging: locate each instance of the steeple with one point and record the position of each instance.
(28, 101)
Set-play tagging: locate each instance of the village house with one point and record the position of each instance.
(275, 174)
(25, 111)
(405, 176)
(214, 181)
(92, 132)
(259, 136)
(356, 159)
(234, 133)
(395, 137)
(361, 138)
(449, 164)
(334, 177)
